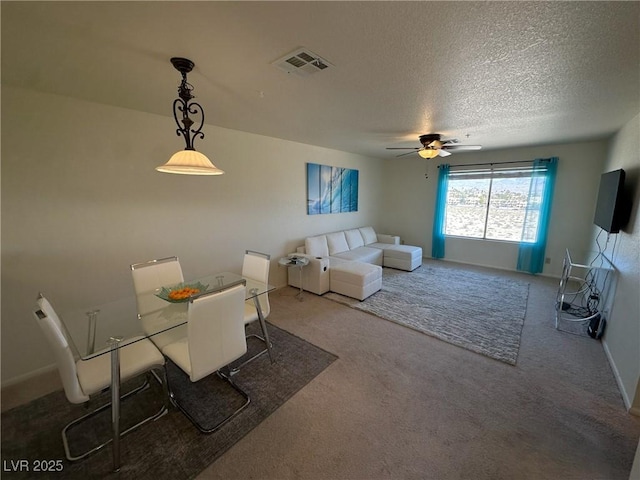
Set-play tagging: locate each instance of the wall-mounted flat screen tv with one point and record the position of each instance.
(610, 208)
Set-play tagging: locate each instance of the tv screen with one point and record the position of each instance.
(610, 205)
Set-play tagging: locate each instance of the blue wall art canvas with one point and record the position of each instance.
(331, 189)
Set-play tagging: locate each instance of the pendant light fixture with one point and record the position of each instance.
(188, 161)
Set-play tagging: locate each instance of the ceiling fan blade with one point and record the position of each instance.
(403, 148)
(403, 154)
(443, 153)
(462, 147)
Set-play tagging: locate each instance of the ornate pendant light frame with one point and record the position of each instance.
(188, 161)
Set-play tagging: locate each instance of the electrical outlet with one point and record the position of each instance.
(547, 260)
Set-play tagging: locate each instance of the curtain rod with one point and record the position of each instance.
(488, 163)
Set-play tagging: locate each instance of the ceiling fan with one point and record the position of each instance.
(432, 147)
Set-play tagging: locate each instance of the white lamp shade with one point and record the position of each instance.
(189, 162)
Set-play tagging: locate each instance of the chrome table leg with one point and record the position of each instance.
(263, 324)
(115, 399)
(300, 292)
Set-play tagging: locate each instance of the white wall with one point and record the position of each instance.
(81, 201)
(410, 198)
(622, 336)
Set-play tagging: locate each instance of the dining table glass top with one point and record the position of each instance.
(132, 318)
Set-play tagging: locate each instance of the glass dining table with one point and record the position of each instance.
(104, 329)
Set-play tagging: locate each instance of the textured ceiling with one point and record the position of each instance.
(502, 73)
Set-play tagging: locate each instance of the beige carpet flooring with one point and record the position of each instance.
(398, 404)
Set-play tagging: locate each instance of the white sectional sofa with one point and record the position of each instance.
(367, 250)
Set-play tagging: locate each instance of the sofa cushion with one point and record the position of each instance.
(356, 279)
(362, 254)
(403, 257)
(381, 246)
(337, 243)
(368, 235)
(357, 273)
(354, 238)
(334, 261)
(317, 246)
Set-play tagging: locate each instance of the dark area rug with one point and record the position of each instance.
(170, 447)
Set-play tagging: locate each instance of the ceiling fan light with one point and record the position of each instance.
(189, 162)
(428, 153)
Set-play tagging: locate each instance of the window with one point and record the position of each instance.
(492, 204)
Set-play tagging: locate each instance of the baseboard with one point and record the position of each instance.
(28, 376)
(493, 267)
(23, 389)
(625, 397)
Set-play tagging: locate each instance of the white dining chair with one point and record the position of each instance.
(215, 338)
(148, 277)
(255, 266)
(83, 378)
(151, 275)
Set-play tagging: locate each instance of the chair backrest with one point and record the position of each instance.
(151, 275)
(216, 329)
(55, 334)
(256, 267)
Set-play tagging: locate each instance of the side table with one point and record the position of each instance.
(295, 261)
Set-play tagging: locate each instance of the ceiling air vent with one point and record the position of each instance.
(302, 62)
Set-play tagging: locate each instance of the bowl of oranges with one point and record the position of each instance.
(182, 292)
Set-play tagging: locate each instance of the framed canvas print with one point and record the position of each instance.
(331, 189)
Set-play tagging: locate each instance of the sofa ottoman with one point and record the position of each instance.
(403, 257)
(355, 279)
